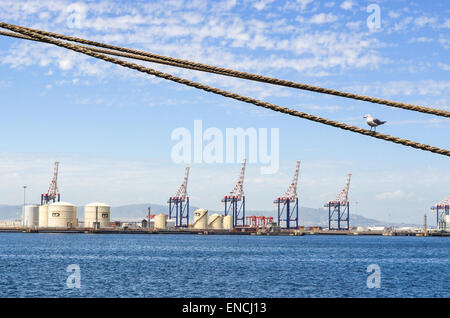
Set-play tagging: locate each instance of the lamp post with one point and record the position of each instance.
(24, 200)
(24, 193)
(148, 224)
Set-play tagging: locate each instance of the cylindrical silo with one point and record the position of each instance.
(228, 222)
(62, 215)
(200, 219)
(161, 221)
(30, 215)
(215, 222)
(43, 215)
(97, 212)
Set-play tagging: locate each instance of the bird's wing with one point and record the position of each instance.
(378, 122)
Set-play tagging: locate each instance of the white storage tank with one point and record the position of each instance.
(215, 222)
(62, 215)
(97, 212)
(447, 222)
(43, 215)
(30, 215)
(228, 222)
(200, 219)
(160, 221)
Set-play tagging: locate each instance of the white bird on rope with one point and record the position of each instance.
(373, 122)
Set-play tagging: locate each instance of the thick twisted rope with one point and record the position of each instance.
(218, 91)
(110, 52)
(228, 72)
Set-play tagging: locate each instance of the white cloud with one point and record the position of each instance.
(322, 18)
(446, 24)
(434, 122)
(262, 4)
(398, 194)
(304, 3)
(421, 39)
(347, 5)
(445, 42)
(65, 64)
(393, 14)
(354, 24)
(443, 66)
(405, 88)
(227, 4)
(403, 24)
(5, 84)
(424, 20)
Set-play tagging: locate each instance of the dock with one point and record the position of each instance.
(235, 231)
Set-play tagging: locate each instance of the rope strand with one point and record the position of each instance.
(244, 75)
(218, 91)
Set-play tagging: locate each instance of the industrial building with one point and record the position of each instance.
(97, 215)
(200, 219)
(62, 215)
(54, 214)
(30, 216)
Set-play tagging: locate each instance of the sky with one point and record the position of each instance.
(111, 128)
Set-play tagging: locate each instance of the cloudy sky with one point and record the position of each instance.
(111, 127)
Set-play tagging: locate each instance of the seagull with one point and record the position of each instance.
(373, 122)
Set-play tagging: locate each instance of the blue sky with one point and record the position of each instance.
(110, 127)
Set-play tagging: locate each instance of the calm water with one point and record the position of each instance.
(34, 265)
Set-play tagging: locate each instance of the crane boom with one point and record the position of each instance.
(53, 190)
(238, 190)
(181, 193)
(343, 195)
(291, 192)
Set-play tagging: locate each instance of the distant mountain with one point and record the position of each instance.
(137, 212)
(10, 212)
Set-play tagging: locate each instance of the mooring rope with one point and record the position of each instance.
(218, 91)
(238, 74)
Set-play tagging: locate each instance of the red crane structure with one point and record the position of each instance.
(176, 203)
(254, 221)
(52, 194)
(339, 209)
(288, 203)
(442, 209)
(235, 197)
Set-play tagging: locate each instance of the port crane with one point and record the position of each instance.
(235, 201)
(287, 205)
(179, 203)
(52, 194)
(442, 209)
(339, 209)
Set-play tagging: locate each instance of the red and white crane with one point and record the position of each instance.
(442, 210)
(53, 191)
(339, 209)
(176, 203)
(235, 197)
(290, 213)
